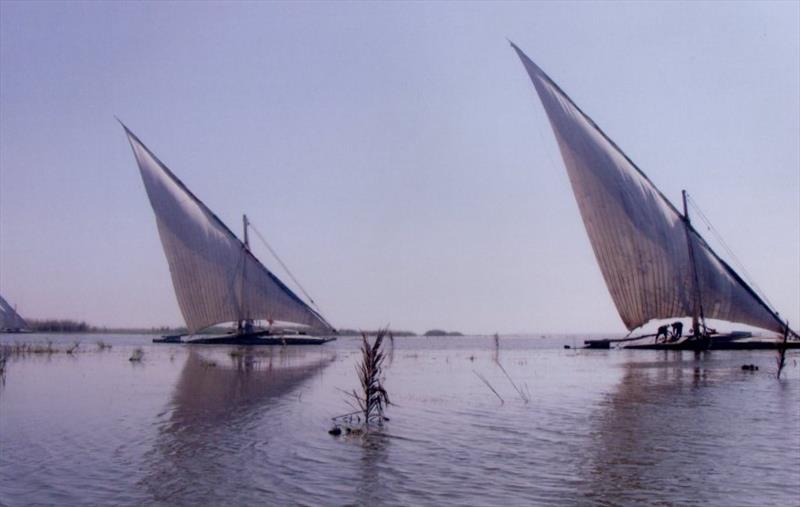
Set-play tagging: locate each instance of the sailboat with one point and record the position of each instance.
(216, 277)
(10, 320)
(654, 262)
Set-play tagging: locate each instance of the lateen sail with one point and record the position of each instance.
(639, 239)
(216, 278)
(9, 318)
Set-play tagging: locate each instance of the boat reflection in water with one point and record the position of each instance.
(225, 410)
(666, 433)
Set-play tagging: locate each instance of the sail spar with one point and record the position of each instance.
(215, 276)
(639, 239)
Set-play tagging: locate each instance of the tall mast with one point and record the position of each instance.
(245, 325)
(245, 223)
(697, 307)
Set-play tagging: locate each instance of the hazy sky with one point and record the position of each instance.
(394, 154)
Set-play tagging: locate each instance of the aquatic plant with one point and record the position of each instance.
(525, 396)
(390, 354)
(73, 348)
(372, 399)
(101, 345)
(137, 355)
(4, 355)
(489, 385)
(522, 394)
(22, 349)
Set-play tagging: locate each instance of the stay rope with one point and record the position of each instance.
(285, 267)
(739, 265)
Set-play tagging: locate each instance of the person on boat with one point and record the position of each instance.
(662, 331)
(677, 330)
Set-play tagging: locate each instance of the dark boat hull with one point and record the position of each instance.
(737, 340)
(259, 338)
(715, 345)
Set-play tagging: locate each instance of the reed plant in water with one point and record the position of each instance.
(781, 359)
(372, 399)
(5, 353)
(23, 349)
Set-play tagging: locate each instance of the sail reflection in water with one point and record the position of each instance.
(223, 414)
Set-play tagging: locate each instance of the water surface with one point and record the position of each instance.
(198, 426)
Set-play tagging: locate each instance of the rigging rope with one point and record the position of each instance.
(284, 266)
(747, 276)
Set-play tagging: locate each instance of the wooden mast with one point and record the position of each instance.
(245, 325)
(697, 308)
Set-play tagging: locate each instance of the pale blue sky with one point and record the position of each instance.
(395, 154)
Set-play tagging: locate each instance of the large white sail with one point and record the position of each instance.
(640, 240)
(216, 278)
(9, 318)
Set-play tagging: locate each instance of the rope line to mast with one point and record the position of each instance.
(284, 266)
(748, 277)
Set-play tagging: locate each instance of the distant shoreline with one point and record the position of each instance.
(68, 326)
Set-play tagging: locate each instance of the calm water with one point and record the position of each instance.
(194, 426)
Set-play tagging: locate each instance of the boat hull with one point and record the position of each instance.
(737, 340)
(716, 345)
(260, 338)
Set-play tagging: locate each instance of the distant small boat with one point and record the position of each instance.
(10, 320)
(655, 264)
(216, 277)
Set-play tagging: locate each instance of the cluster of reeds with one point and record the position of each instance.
(101, 345)
(372, 399)
(41, 348)
(3, 358)
(24, 349)
(524, 393)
